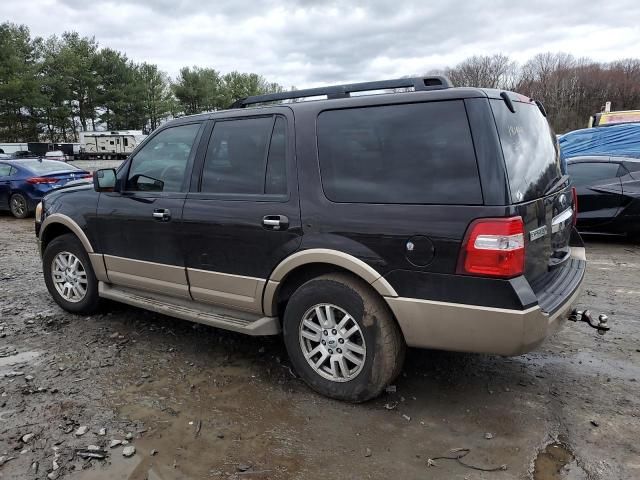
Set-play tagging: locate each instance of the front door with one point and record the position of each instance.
(138, 226)
(242, 215)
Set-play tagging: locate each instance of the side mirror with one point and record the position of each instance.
(104, 180)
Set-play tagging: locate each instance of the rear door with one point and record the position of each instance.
(599, 191)
(242, 215)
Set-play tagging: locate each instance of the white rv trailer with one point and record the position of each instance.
(111, 145)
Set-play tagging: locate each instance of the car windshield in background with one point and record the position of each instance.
(47, 166)
(529, 149)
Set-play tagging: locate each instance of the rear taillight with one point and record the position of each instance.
(41, 180)
(493, 247)
(574, 194)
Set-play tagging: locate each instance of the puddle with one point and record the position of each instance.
(556, 462)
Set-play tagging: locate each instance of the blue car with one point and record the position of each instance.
(23, 183)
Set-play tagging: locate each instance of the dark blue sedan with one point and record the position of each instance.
(24, 182)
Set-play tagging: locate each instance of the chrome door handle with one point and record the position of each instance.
(275, 222)
(162, 214)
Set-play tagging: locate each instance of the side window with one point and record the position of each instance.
(161, 164)
(237, 155)
(589, 173)
(276, 179)
(5, 170)
(415, 154)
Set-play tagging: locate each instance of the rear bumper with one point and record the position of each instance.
(473, 328)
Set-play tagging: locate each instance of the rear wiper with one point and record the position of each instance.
(557, 184)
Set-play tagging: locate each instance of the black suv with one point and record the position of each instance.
(356, 225)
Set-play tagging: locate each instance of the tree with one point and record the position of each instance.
(20, 95)
(158, 99)
(198, 90)
(496, 71)
(121, 91)
(57, 111)
(236, 85)
(77, 62)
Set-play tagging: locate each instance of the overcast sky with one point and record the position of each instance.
(306, 42)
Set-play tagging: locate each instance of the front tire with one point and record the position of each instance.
(69, 275)
(342, 338)
(19, 205)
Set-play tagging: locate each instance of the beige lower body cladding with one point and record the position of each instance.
(469, 328)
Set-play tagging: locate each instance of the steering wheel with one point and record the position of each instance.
(172, 171)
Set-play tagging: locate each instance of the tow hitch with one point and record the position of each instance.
(602, 325)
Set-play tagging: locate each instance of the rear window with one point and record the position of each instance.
(47, 166)
(529, 148)
(414, 154)
(589, 173)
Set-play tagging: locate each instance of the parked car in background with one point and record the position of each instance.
(355, 226)
(23, 183)
(608, 191)
(24, 154)
(55, 155)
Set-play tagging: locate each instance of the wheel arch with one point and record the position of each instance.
(58, 224)
(306, 264)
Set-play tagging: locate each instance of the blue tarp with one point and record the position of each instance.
(621, 140)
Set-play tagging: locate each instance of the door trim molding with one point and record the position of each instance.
(150, 276)
(226, 289)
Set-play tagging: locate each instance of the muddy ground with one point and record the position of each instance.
(197, 402)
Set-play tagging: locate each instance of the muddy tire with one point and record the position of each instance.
(69, 275)
(19, 205)
(342, 338)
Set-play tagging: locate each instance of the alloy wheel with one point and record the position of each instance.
(332, 342)
(18, 205)
(69, 277)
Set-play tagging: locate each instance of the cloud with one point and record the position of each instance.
(308, 42)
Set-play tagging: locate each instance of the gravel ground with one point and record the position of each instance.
(93, 165)
(197, 402)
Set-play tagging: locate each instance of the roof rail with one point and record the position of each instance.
(343, 91)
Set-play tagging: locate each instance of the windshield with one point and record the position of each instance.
(530, 150)
(47, 166)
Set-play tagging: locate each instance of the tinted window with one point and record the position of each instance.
(237, 156)
(415, 153)
(5, 170)
(590, 173)
(161, 164)
(529, 148)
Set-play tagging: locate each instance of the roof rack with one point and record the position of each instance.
(343, 91)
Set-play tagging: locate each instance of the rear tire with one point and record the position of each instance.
(69, 275)
(19, 205)
(358, 358)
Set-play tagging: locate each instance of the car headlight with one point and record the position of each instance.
(39, 212)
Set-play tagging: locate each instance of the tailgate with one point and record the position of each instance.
(548, 222)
